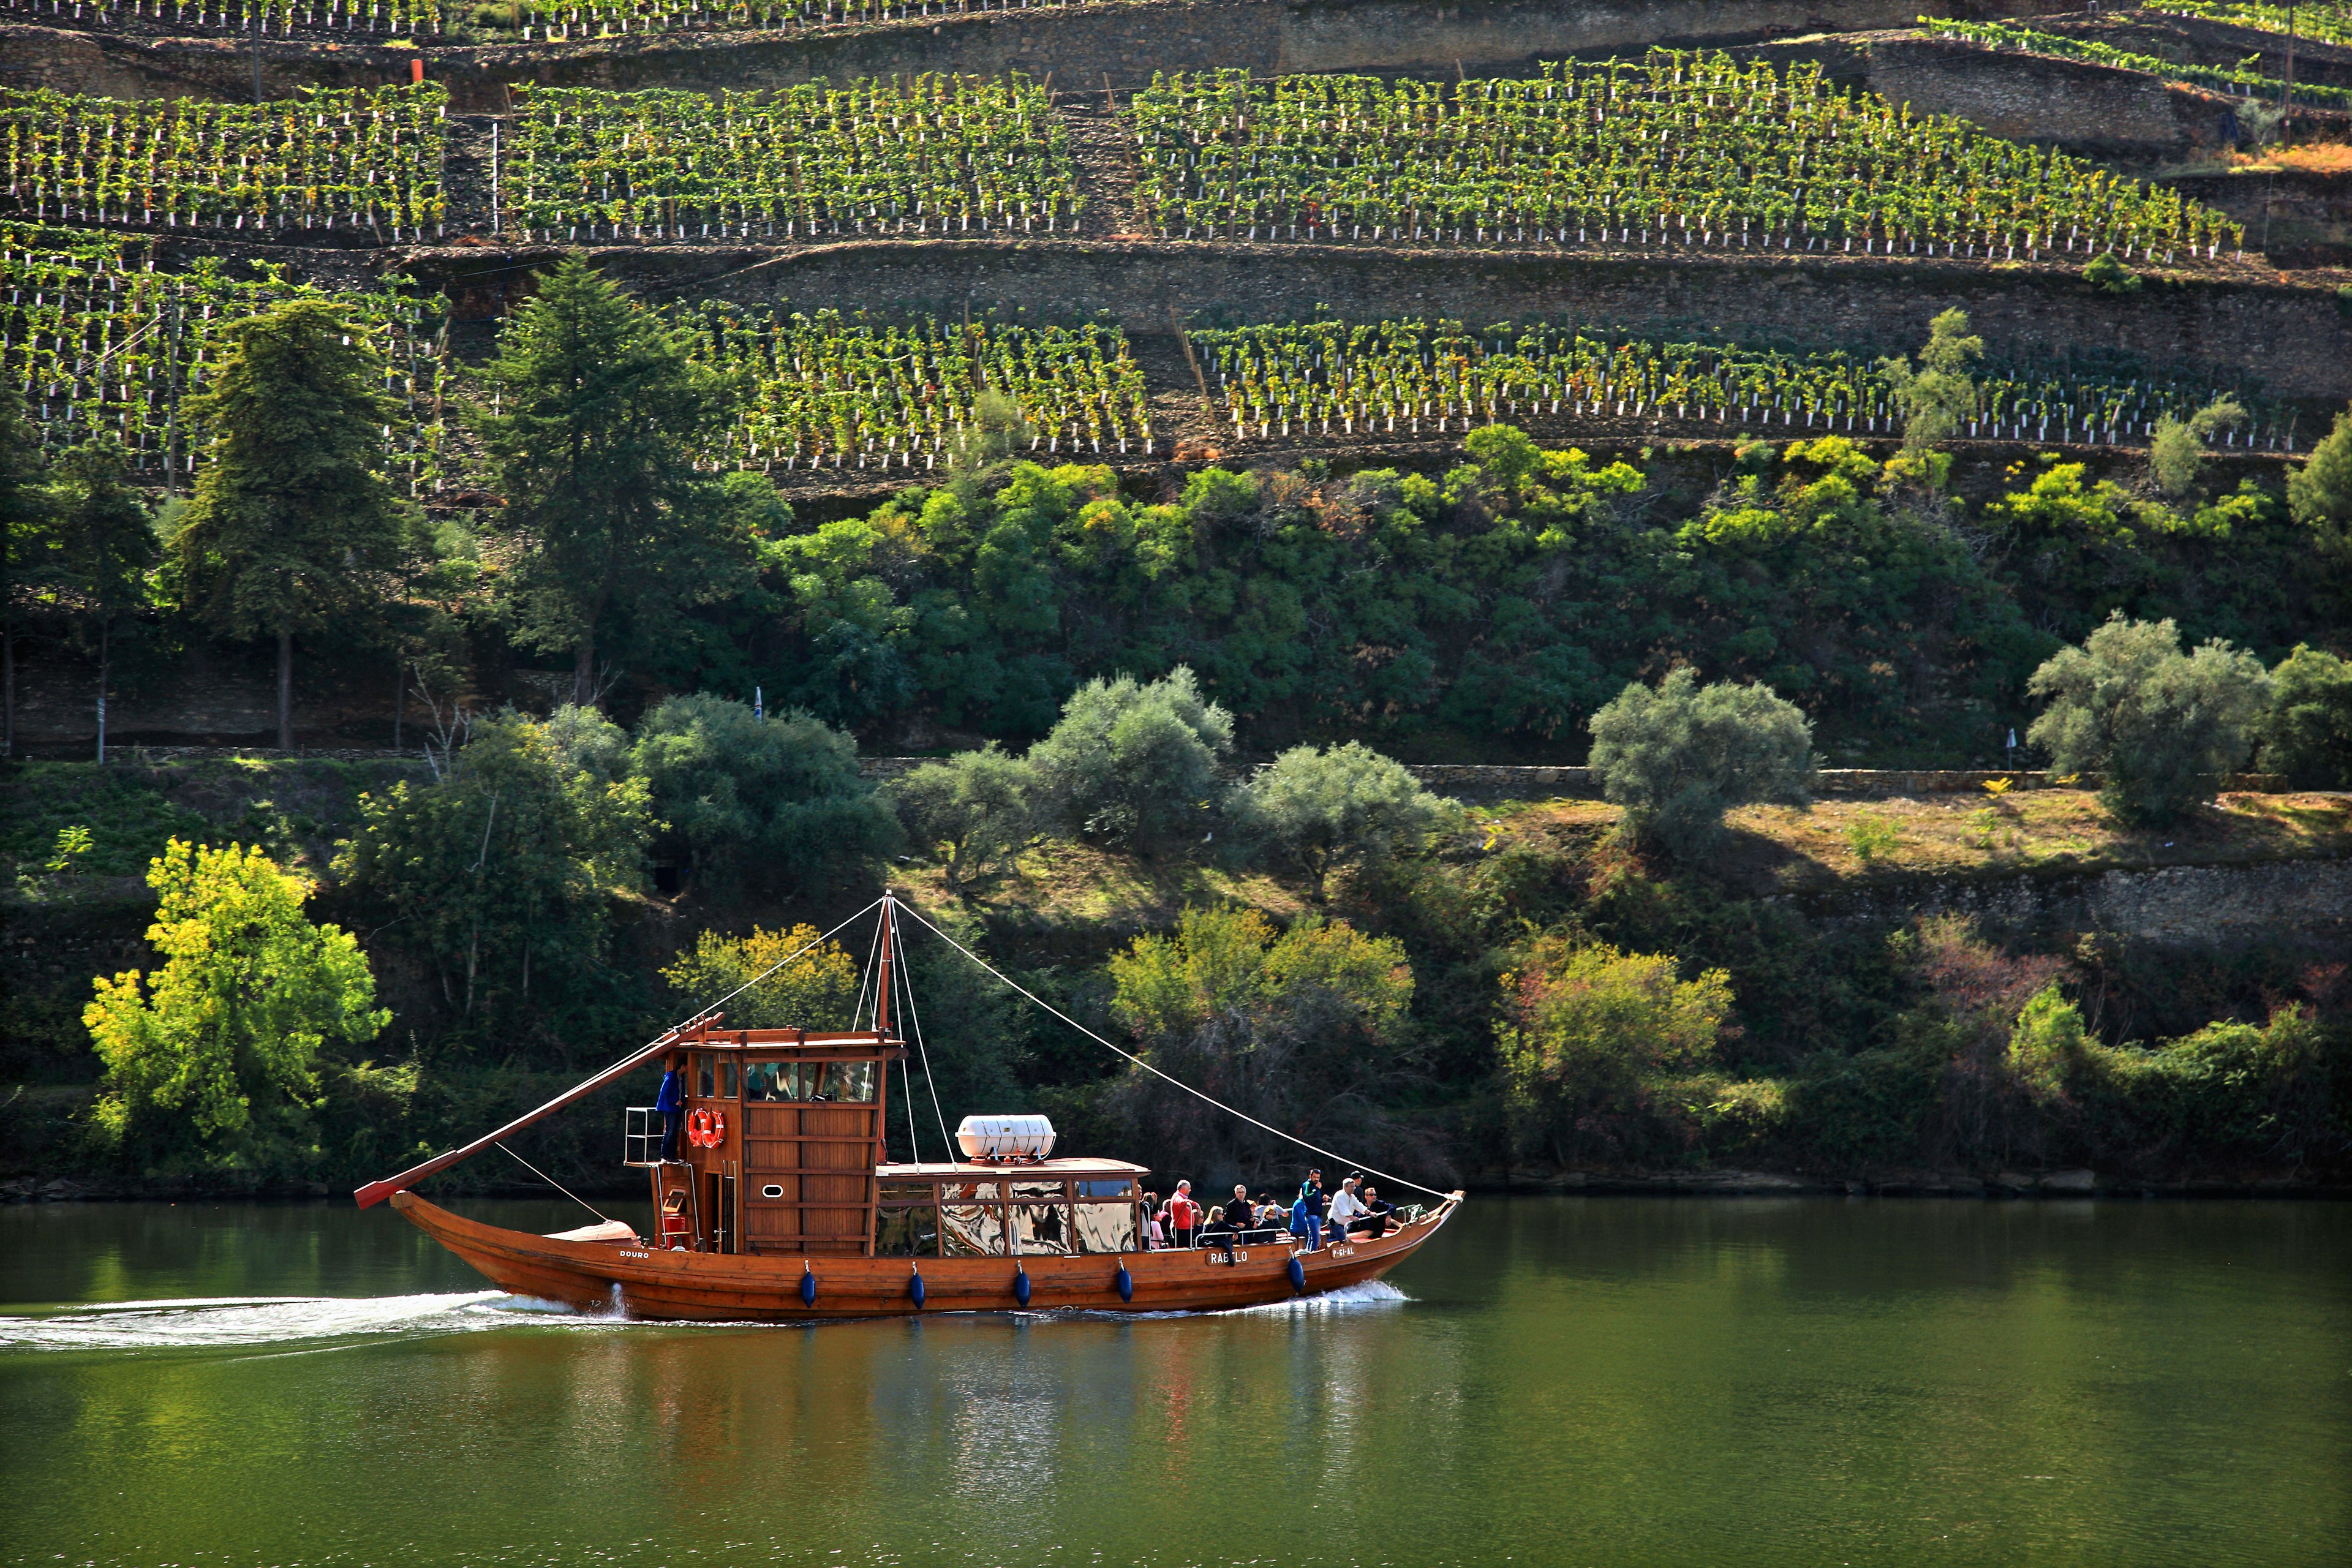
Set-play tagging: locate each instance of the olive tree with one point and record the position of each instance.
(2176, 452)
(1347, 805)
(2319, 493)
(977, 806)
(1678, 757)
(2159, 727)
(1135, 763)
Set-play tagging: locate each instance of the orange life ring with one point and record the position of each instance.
(698, 1130)
(718, 1133)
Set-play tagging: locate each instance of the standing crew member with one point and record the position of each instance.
(671, 1103)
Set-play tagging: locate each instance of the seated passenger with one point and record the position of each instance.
(757, 1083)
(1220, 1232)
(1346, 1207)
(1378, 1215)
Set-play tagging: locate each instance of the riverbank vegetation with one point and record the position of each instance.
(1707, 967)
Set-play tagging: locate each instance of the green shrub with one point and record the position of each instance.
(765, 803)
(1594, 1040)
(2110, 275)
(1347, 806)
(1678, 757)
(2159, 727)
(2319, 493)
(1871, 835)
(2307, 734)
(1135, 763)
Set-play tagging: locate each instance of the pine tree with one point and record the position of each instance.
(293, 516)
(592, 447)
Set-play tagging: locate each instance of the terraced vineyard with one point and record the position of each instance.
(2327, 23)
(539, 21)
(2241, 81)
(364, 158)
(826, 392)
(1682, 149)
(1415, 377)
(97, 340)
(933, 157)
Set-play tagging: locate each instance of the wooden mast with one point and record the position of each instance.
(882, 984)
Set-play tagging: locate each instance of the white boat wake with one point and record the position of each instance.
(233, 1321)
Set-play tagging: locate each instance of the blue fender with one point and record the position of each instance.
(1021, 1286)
(915, 1289)
(1125, 1282)
(808, 1286)
(1297, 1274)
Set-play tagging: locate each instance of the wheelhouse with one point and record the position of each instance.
(781, 1139)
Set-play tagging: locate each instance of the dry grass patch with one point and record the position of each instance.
(1059, 882)
(1782, 848)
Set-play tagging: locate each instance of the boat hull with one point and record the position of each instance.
(699, 1287)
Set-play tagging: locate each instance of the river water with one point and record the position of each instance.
(1604, 1380)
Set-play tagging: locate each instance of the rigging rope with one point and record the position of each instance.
(559, 1186)
(916, 1018)
(1147, 1067)
(812, 947)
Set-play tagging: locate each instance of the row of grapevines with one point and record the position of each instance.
(1690, 149)
(546, 21)
(363, 157)
(826, 390)
(393, 16)
(2329, 24)
(935, 154)
(2238, 79)
(99, 341)
(1419, 377)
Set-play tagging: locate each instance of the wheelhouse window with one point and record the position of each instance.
(1041, 1216)
(847, 1082)
(771, 1081)
(705, 1074)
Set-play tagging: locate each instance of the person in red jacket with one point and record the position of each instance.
(1184, 1214)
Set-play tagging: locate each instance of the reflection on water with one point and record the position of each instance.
(1552, 1381)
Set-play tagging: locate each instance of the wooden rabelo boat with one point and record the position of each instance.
(781, 1205)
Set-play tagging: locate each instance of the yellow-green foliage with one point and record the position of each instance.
(817, 989)
(1230, 961)
(1603, 1046)
(227, 1034)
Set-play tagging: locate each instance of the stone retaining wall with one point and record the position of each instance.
(2294, 339)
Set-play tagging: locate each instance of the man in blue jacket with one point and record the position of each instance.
(671, 1102)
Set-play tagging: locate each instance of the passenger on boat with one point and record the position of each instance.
(1377, 1215)
(1346, 1208)
(1184, 1214)
(1310, 1192)
(1221, 1231)
(670, 1102)
(1301, 1217)
(1239, 1213)
(1154, 1235)
(759, 1080)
